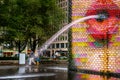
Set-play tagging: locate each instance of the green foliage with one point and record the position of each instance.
(25, 19)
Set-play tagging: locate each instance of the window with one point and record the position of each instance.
(53, 45)
(49, 47)
(62, 45)
(57, 45)
(61, 38)
(66, 38)
(66, 45)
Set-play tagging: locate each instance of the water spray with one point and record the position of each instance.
(49, 41)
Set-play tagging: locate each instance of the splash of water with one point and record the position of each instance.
(49, 41)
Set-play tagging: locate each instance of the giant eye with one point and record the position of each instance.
(103, 15)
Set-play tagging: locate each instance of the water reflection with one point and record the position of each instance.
(8, 70)
(46, 73)
(82, 76)
(33, 73)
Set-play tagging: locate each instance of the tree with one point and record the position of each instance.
(29, 21)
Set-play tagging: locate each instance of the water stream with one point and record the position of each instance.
(49, 41)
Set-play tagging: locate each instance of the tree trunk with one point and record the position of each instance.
(34, 46)
(21, 45)
(19, 51)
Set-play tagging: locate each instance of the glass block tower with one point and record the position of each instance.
(95, 43)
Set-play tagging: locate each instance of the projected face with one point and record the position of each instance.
(103, 28)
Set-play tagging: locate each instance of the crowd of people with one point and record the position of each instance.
(34, 59)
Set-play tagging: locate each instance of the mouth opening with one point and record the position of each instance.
(103, 15)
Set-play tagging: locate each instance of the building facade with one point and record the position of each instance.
(60, 45)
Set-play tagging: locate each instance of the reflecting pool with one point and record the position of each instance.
(46, 72)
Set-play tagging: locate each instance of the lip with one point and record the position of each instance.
(103, 28)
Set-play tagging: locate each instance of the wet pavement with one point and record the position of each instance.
(46, 72)
(83, 76)
(43, 72)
